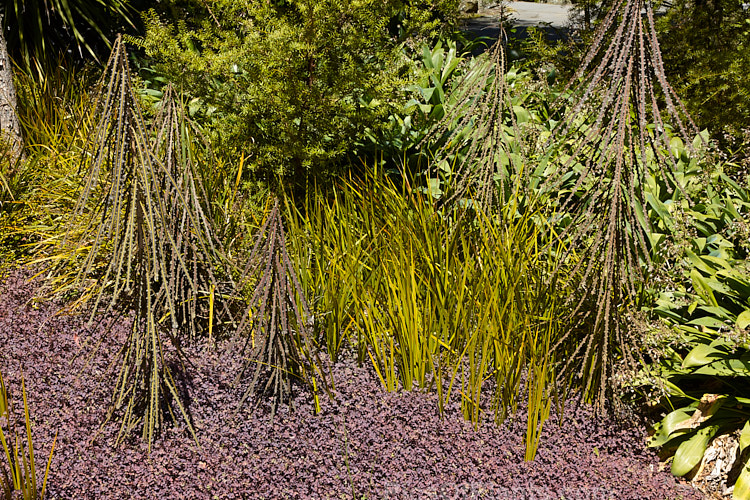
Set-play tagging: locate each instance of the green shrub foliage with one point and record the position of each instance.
(295, 83)
(705, 48)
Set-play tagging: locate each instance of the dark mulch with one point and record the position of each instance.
(367, 443)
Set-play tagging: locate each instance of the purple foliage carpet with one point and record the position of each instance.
(365, 444)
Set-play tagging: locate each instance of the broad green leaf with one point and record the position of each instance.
(666, 427)
(745, 436)
(742, 486)
(732, 210)
(723, 342)
(701, 140)
(664, 312)
(700, 243)
(702, 287)
(437, 111)
(450, 65)
(656, 239)
(725, 368)
(743, 193)
(699, 263)
(427, 57)
(427, 93)
(695, 336)
(676, 146)
(718, 312)
(434, 188)
(437, 59)
(702, 354)
(438, 88)
(718, 262)
(522, 115)
(693, 305)
(743, 320)
(718, 286)
(659, 208)
(739, 284)
(690, 453)
(707, 321)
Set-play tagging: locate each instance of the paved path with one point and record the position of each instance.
(537, 14)
(552, 17)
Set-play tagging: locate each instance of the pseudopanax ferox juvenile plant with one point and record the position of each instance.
(482, 126)
(279, 319)
(142, 239)
(613, 132)
(609, 129)
(144, 244)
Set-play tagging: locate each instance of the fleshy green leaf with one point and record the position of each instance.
(707, 321)
(725, 368)
(690, 453)
(743, 320)
(666, 427)
(522, 115)
(702, 354)
(742, 486)
(745, 436)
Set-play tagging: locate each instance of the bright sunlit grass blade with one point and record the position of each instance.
(17, 467)
(432, 300)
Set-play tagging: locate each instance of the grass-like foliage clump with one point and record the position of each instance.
(434, 299)
(18, 471)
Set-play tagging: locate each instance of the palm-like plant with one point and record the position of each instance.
(38, 30)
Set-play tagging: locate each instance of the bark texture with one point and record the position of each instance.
(10, 128)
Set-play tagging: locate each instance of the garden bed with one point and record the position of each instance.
(365, 444)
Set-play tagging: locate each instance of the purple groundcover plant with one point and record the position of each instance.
(364, 444)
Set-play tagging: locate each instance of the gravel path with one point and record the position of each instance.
(367, 443)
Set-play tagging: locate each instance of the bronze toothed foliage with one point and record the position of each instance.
(614, 115)
(280, 344)
(146, 245)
